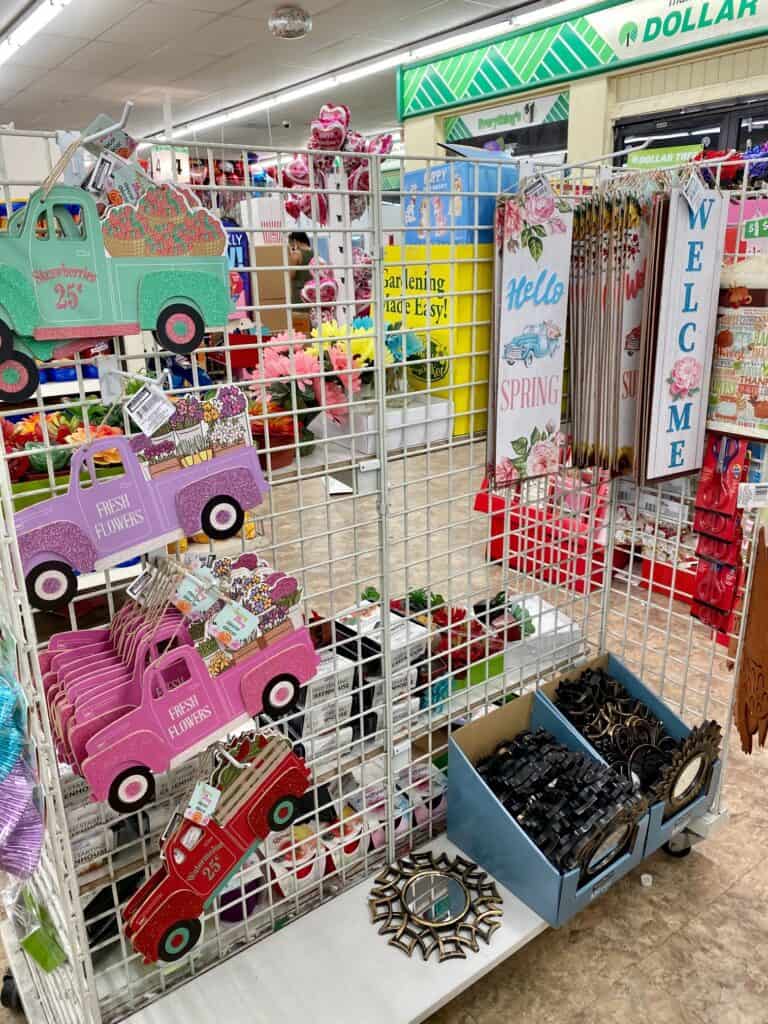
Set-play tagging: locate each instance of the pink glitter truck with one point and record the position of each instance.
(102, 521)
(183, 709)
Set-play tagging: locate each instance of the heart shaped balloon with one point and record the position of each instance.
(298, 170)
(380, 145)
(360, 179)
(293, 206)
(329, 134)
(330, 113)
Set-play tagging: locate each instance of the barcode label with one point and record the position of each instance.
(536, 186)
(753, 496)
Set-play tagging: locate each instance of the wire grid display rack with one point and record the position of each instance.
(378, 490)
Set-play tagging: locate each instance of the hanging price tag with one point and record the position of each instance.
(233, 625)
(137, 587)
(753, 496)
(193, 595)
(149, 408)
(694, 191)
(203, 803)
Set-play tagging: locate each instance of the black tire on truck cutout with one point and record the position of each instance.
(118, 795)
(231, 525)
(6, 340)
(178, 940)
(37, 584)
(19, 377)
(180, 329)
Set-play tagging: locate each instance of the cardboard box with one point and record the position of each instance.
(454, 203)
(480, 825)
(271, 277)
(659, 830)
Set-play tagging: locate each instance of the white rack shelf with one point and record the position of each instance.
(69, 388)
(260, 984)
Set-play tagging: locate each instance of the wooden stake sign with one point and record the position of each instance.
(685, 336)
(531, 328)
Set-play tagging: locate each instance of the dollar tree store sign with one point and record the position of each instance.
(600, 38)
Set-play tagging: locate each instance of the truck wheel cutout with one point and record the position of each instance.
(179, 939)
(51, 584)
(282, 814)
(18, 378)
(132, 789)
(6, 340)
(221, 518)
(180, 329)
(280, 696)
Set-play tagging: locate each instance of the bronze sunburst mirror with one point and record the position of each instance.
(435, 904)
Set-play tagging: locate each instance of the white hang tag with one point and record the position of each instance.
(694, 191)
(110, 379)
(149, 408)
(536, 186)
(203, 803)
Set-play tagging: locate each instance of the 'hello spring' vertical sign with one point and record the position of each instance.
(535, 266)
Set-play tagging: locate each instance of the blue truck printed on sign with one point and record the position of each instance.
(535, 342)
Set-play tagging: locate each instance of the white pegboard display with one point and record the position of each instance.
(372, 436)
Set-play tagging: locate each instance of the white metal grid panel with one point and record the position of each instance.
(406, 523)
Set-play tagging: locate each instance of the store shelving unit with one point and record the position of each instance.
(408, 521)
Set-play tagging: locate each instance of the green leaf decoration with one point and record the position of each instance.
(539, 229)
(520, 465)
(370, 594)
(535, 435)
(535, 247)
(520, 446)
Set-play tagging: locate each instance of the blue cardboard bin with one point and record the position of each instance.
(660, 831)
(479, 824)
(454, 203)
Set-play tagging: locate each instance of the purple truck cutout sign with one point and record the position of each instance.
(102, 521)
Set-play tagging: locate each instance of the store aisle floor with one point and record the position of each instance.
(693, 949)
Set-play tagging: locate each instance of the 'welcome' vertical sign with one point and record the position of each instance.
(531, 329)
(687, 313)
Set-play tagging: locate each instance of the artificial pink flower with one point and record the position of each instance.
(539, 209)
(274, 365)
(304, 363)
(346, 368)
(542, 459)
(334, 399)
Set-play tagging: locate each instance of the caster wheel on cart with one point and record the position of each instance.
(9, 997)
(678, 847)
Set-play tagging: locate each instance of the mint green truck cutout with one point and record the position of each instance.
(58, 284)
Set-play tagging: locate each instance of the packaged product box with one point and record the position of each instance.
(454, 202)
(480, 825)
(328, 696)
(443, 293)
(408, 639)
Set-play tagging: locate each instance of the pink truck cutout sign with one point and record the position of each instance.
(102, 521)
(141, 697)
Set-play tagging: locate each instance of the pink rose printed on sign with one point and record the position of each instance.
(536, 455)
(542, 458)
(529, 220)
(685, 378)
(539, 209)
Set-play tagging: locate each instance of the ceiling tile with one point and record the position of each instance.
(111, 58)
(47, 50)
(226, 35)
(170, 64)
(213, 6)
(55, 84)
(89, 18)
(262, 9)
(17, 78)
(155, 24)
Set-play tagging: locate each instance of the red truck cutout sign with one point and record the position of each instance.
(254, 789)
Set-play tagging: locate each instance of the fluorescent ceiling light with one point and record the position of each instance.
(705, 131)
(656, 138)
(29, 26)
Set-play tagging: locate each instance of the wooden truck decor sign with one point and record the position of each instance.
(68, 278)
